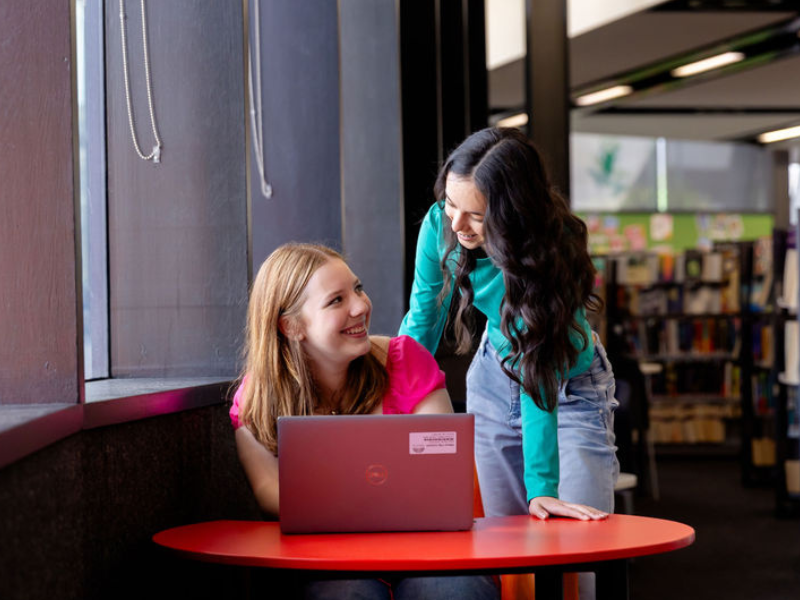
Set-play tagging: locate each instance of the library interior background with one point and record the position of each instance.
(672, 126)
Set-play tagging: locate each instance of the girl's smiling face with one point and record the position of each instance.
(465, 206)
(334, 319)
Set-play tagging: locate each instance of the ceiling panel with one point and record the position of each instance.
(648, 37)
(775, 85)
(690, 127)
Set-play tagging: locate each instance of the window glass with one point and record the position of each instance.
(91, 135)
(718, 176)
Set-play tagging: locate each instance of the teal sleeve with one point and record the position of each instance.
(540, 429)
(539, 449)
(426, 315)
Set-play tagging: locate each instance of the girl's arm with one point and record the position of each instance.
(438, 401)
(261, 468)
(540, 454)
(426, 316)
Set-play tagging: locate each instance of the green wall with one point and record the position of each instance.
(609, 232)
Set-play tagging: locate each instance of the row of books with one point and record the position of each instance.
(698, 381)
(689, 267)
(720, 268)
(690, 424)
(662, 301)
(685, 336)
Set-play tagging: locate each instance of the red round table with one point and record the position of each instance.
(493, 545)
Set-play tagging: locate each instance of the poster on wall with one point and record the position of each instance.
(611, 173)
(661, 227)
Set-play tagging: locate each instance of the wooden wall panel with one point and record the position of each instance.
(39, 350)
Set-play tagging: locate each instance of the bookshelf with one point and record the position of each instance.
(786, 430)
(686, 313)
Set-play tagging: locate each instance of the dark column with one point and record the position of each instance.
(422, 153)
(445, 95)
(547, 77)
(463, 73)
(445, 98)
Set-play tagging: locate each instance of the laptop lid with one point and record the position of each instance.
(348, 473)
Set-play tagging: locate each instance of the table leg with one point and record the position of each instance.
(549, 584)
(612, 580)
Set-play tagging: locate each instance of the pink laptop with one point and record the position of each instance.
(348, 473)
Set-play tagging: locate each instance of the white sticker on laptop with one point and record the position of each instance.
(432, 442)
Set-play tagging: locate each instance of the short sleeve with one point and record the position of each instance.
(413, 374)
(234, 411)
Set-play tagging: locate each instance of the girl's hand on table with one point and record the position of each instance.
(544, 507)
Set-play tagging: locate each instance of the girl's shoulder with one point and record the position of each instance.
(401, 350)
(413, 374)
(380, 347)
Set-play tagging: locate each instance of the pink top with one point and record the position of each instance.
(413, 374)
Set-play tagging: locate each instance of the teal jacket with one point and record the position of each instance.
(425, 322)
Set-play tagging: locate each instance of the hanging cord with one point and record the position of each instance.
(155, 154)
(256, 116)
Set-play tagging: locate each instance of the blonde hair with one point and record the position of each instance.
(279, 380)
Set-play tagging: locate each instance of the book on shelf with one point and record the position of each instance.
(760, 292)
(666, 267)
(762, 397)
(762, 452)
(762, 257)
(790, 280)
(702, 300)
(791, 352)
(693, 266)
(711, 270)
(652, 301)
(792, 470)
(675, 299)
(732, 380)
(792, 415)
(637, 268)
(763, 344)
(731, 277)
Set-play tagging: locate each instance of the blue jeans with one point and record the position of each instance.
(588, 463)
(587, 455)
(469, 587)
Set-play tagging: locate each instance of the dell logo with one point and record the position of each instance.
(377, 474)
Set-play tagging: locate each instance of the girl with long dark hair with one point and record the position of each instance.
(540, 385)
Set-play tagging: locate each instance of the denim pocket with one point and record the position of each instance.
(595, 386)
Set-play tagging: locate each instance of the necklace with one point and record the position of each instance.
(155, 154)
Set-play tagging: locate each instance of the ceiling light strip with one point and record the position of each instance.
(517, 120)
(604, 95)
(708, 64)
(779, 135)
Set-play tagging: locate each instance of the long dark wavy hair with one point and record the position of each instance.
(541, 248)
